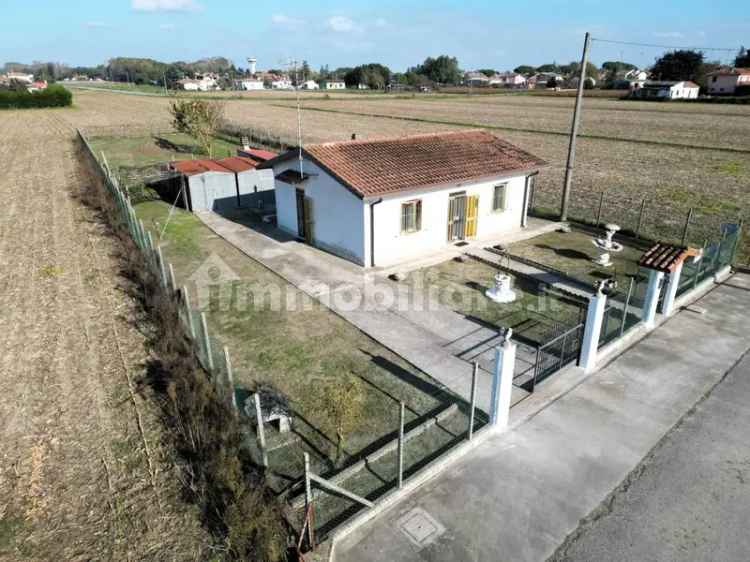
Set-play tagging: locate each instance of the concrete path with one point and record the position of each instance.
(524, 491)
(690, 499)
(405, 319)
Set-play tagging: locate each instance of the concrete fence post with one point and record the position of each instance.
(502, 382)
(592, 330)
(162, 269)
(401, 446)
(206, 343)
(671, 294)
(473, 405)
(230, 381)
(188, 311)
(172, 279)
(261, 429)
(651, 302)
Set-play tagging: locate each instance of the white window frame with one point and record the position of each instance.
(504, 206)
(416, 219)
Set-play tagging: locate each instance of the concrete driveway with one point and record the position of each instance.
(523, 492)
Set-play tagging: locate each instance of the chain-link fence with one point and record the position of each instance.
(642, 217)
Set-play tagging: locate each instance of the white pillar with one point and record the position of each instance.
(592, 331)
(652, 297)
(674, 281)
(502, 383)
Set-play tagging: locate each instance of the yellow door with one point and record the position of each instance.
(472, 212)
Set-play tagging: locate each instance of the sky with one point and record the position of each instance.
(497, 34)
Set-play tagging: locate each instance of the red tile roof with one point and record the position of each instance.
(379, 167)
(665, 257)
(226, 165)
(257, 154)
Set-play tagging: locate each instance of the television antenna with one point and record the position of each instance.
(293, 65)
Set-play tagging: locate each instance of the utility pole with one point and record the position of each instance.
(574, 131)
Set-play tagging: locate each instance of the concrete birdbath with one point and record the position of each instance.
(607, 246)
(501, 292)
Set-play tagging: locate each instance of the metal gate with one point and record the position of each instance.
(556, 354)
(457, 216)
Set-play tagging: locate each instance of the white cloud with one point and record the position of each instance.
(284, 20)
(165, 5)
(669, 34)
(341, 24)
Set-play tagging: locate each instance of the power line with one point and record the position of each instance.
(634, 44)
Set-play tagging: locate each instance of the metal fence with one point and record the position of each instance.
(555, 354)
(212, 355)
(717, 254)
(643, 217)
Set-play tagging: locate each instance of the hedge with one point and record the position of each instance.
(53, 96)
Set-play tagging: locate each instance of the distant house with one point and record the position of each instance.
(508, 80)
(310, 85)
(476, 78)
(20, 77)
(540, 80)
(220, 185)
(667, 90)
(37, 86)
(282, 83)
(203, 83)
(382, 202)
(251, 84)
(726, 82)
(361, 86)
(332, 85)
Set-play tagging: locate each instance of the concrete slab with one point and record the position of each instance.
(523, 492)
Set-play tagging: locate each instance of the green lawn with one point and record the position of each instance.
(293, 350)
(127, 152)
(537, 312)
(572, 253)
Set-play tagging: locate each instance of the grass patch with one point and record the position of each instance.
(9, 527)
(295, 350)
(535, 313)
(732, 168)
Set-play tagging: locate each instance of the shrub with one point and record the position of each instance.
(53, 96)
(217, 473)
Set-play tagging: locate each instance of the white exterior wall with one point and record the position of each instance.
(212, 190)
(286, 208)
(337, 214)
(392, 247)
(252, 85)
(727, 83)
(680, 91)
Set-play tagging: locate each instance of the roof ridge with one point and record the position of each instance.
(407, 137)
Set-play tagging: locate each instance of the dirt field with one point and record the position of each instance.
(83, 473)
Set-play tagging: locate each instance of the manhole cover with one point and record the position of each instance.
(420, 528)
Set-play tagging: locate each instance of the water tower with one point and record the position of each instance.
(251, 62)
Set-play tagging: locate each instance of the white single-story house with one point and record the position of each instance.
(652, 89)
(476, 78)
(332, 85)
(218, 185)
(310, 85)
(508, 80)
(202, 83)
(381, 202)
(725, 82)
(282, 84)
(251, 84)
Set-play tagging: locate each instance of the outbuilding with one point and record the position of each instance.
(220, 185)
(661, 90)
(382, 202)
(726, 82)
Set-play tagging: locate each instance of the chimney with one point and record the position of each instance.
(354, 136)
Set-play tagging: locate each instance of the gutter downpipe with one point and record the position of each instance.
(372, 230)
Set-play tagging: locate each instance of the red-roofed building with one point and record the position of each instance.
(381, 202)
(726, 82)
(228, 183)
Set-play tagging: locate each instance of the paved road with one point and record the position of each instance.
(691, 498)
(523, 492)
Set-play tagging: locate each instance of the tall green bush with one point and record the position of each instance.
(52, 96)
